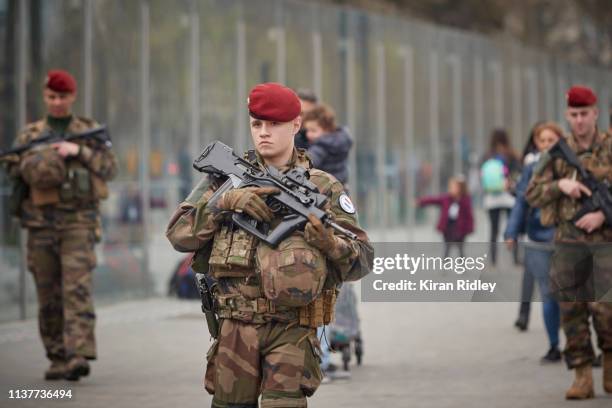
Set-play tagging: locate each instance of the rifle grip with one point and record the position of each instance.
(287, 226)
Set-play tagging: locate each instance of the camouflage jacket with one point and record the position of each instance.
(558, 208)
(194, 225)
(98, 161)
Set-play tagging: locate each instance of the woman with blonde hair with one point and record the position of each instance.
(539, 243)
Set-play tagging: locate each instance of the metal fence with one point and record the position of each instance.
(168, 77)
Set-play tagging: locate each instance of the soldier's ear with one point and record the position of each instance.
(297, 124)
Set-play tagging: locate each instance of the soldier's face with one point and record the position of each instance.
(274, 139)
(58, 104)
(582, 121)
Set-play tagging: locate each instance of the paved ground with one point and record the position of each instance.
(416, 355)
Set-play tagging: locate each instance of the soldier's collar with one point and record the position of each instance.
(573, 141)
(298, 158)
(74, 125)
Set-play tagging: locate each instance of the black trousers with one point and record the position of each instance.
(494, 221)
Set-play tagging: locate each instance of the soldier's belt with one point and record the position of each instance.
(262, 310)
(259, 310)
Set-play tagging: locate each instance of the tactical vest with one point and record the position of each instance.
(291, 277)
(75, 200)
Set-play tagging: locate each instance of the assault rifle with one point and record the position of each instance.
(297, 198)
(206, 286)
(601, 191)
(100, 134)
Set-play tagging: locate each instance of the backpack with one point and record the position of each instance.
(493, 176)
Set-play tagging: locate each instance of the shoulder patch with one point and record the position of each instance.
(346, 204)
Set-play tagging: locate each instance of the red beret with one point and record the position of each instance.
(580, 96)
(275, 102)
(60, 81)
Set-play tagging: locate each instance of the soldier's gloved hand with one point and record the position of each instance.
(248, 200)
(319, 235)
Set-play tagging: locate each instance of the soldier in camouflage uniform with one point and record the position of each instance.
(65, 182)
(271, 300)
(582, 262)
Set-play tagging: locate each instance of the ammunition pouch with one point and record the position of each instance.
(232, 253)
(321, 311)
(77, 186)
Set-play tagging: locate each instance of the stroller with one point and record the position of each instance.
(345, 330)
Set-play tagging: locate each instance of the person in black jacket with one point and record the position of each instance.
(329, 144)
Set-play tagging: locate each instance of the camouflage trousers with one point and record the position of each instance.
(581, 276)
(582, 272)
(575, 322)
(61, 262)
(280, 361)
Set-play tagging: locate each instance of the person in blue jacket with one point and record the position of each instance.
(538, 247)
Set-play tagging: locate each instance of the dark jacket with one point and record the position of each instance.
(526, 218)
(330, 153)
(465, 218)
(300, 139)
